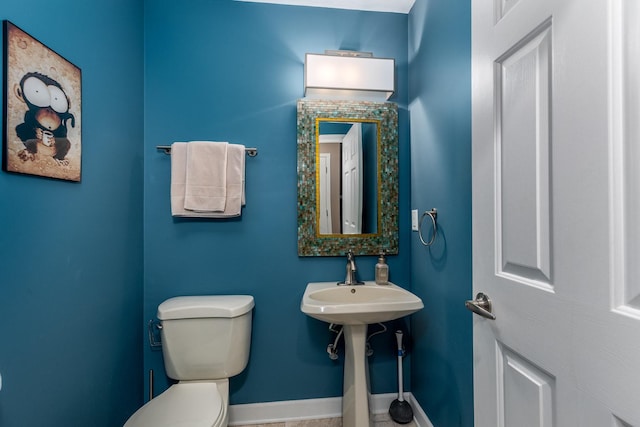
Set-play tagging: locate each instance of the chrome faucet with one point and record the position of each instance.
(351, 271)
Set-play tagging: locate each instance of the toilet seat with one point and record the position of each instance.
(185, 404)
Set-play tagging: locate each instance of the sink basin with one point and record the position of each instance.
(359, 304)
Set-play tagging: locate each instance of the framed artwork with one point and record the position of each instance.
(42, 102)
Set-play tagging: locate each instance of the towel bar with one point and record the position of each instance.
(251, 152)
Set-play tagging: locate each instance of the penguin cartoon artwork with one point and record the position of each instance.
(42, 98)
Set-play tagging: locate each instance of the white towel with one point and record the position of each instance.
(235, 166)
(206, 181)
(178, 178)
(235, 180)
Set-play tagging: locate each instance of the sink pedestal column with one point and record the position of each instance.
(355, 399)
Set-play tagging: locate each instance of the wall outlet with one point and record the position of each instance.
(414, 220)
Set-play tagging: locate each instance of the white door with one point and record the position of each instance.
(352, 180)
(556, 212)
(325, 193)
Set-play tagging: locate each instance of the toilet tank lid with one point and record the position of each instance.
(202, 306)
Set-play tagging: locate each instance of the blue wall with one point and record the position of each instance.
(232, 71)
(440, 115)
(71, 253)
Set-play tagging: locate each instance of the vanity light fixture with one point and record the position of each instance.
(342, 74)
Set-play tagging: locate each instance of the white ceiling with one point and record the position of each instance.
(396, 6)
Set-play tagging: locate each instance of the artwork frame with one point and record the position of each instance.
(42, 106)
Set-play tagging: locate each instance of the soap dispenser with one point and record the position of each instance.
(382, 271)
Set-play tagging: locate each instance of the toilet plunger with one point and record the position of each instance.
(400, 410)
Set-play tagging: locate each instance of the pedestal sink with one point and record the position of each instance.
(355, 307)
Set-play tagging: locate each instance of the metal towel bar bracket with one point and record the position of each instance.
(433, 214)
(251, 152)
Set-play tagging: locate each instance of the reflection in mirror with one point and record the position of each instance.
(347, 177)
(347, 184)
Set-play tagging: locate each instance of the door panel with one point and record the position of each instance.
(527, 392)
(324, 172)
(626, 151)
(522, 96)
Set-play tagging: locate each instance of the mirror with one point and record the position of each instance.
(347, 177)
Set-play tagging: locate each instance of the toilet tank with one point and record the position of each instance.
(206, 337)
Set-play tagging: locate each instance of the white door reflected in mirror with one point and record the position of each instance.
(352, 180)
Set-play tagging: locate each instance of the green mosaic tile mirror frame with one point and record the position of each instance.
(385, 115)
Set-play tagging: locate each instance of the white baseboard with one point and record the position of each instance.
(273, 412)
(419, 415)
(311, 409)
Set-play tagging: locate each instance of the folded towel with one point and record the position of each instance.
(178, 177)
(235, 180)
(234, 175)
(206, 181)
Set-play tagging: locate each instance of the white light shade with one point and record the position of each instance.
(348, 77)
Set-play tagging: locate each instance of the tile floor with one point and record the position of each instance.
(380, 420)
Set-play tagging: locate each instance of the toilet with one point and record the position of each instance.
(205, 341)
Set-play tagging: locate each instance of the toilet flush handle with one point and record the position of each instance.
(152, 326)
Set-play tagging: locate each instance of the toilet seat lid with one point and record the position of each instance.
(193, 404)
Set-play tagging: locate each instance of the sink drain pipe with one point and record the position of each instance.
(332, 349)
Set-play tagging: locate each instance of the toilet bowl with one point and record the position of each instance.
(205, 341)
(197, 404)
